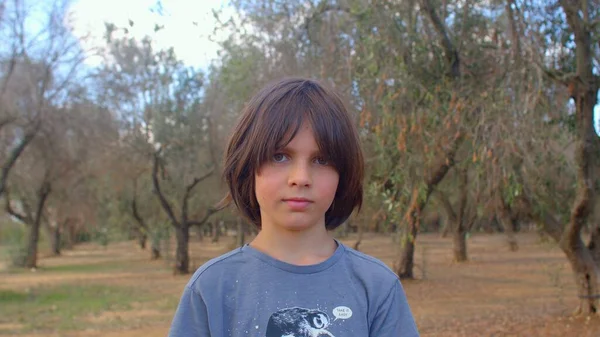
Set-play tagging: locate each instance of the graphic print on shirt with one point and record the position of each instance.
(301, 322)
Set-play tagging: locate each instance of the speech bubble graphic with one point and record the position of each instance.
(342, 313)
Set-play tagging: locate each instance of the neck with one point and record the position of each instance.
(295, 247)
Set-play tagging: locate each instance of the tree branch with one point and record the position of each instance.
(188, 191)
(555, 75)
(23, 218)
(571, 12)
(447, 206)
(514, 32)
(322, 9)
(449, 48)
(15, 153)
(464, 193)
(443, 167)
(209, 212)
(134, 209)
(43, 194)
(548, 221)
(161, 197)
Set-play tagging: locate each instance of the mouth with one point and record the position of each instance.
(297, 204)
(297, 200)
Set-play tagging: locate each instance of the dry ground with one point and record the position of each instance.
(498, 293)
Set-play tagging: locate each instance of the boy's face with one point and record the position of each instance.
(296, 186)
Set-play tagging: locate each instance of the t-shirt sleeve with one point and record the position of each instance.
(191, 318)
(393, 317)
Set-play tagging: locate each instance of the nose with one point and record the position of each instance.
(300, 175)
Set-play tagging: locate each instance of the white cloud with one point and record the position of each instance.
(187, 25)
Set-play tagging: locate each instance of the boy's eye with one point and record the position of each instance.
(321, 161)
(279, 157)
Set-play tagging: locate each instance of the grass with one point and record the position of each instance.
(74, 268)
(93, 291)
(85, 268)
(63, 307)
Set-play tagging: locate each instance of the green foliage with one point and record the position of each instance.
(64, 307)
(13, 243)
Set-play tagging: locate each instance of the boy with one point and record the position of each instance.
(294, 168)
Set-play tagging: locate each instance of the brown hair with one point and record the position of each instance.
(270, 120)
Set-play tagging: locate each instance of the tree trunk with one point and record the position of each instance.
(361, 230)
(34, 234)
(182, 259)
(594, 244)
(155, 250)
(457, 216)
(199, 233)
(182, 228)
(586, 277)
(507, 222)
(405, 266)
(583, 88)
(460, 243)
(56, 240)
(142, 228)
(70, 239)
(142, 238)
(32, 245)
(54, 236)
(15, 153)
(446, 229)
(216, 232)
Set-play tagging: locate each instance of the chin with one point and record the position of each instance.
(298, 225)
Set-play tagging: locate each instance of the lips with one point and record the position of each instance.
(297, 204)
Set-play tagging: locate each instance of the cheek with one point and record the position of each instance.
(329, 183)
(259, 188)
(264, 185)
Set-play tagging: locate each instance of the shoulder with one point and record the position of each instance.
(369, 267)
(367, 260)
(217, 270)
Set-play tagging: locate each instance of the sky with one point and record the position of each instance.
(187, 24)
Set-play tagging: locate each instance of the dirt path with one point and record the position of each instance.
(497, 293)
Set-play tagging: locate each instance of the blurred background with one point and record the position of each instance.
(479, 120)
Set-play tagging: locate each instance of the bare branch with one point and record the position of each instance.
(134, 209)
(572, 15)
(209, 212)
(446, 162)
(449, 48)
(161, 197)
(563, 78)
(21, 217)
(320, 10)
(188, 191)
(43, 193)
(514, 32)
(446, 205)
(14, 155)
(548, 221)
(464, 193)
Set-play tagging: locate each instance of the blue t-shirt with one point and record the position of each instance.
(248, 293)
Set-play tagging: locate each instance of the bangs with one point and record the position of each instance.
(279, 123)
